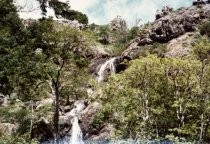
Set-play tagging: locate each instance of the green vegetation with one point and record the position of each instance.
(202, 49)
(155, 98)
(156, 49)
(205, 29)
(63, 9)
(159, 98)
(115, 41)
(45, 59)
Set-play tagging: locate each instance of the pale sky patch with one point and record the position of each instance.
(103, 11)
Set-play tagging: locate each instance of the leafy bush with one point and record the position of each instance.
(132, 33)
(201, 49)
(205, 29)
(17, 140)
(12, 114)
(158, 97)
(156, 48)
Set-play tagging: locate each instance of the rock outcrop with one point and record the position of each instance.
(118, 24)
(180, 46)
(87, 117)
(168, 27)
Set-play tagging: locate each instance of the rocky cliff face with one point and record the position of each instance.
(172, 28)
(168, 27)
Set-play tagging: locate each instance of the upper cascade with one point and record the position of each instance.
(106, 68)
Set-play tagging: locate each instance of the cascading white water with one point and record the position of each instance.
(76, 137)
(108, 65)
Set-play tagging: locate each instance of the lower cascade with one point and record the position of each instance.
(76, 137)
(107, 67)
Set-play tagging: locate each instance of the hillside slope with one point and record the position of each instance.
(168, 27)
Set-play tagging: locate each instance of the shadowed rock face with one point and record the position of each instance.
(167, 28)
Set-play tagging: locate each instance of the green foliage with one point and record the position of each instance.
(114, 41)
(132, 33)
(157, 49)
(12, 114)
(104, 31)
(156, 97)
(205, 29)
(11, 37)
(75, 15)
(15, 140)
(201, 49)
(63, 9)
(33, 60)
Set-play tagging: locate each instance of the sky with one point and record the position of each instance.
(103, 11)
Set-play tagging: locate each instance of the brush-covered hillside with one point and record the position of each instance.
(64, 80)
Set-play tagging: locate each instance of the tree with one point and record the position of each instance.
(11, 39)
(63, 9)
(201, 49)
(205, 29)
(62, 57)
(159, 98)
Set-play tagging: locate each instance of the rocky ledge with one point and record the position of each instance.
(168, 27)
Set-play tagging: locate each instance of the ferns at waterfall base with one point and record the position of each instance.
(159, 98)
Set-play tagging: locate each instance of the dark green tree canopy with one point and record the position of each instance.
(63, 9)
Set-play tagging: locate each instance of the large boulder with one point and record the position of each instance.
(87, 117)
(105, 133)
(118, 24)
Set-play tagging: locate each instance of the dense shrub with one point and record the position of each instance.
(159, 98)
(132, 33)
(201, 49)
(205, 29)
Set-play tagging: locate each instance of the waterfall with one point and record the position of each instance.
(76, 137)
(108, 66)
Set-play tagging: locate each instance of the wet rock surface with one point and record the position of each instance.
(87, 117)
(97, 64)
(86, 114)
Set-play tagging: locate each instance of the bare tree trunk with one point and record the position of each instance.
(201, 128)
(206, 129)
(56, 114)
(31, 123)
(156, 129)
